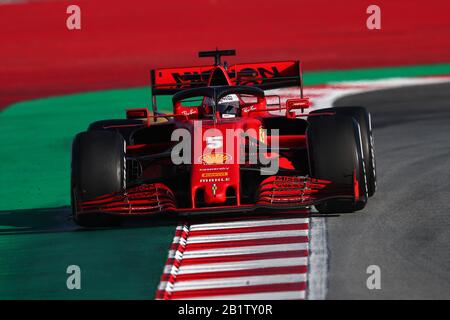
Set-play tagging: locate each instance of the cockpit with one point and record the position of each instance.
(219, 102)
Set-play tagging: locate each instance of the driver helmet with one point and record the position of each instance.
(228, 106)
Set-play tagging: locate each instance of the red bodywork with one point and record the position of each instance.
(211, 174)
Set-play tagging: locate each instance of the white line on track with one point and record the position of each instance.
(282, 295)
(237, 282)
(238, 265)
(248, 223)
(240, 250)
(246, 236)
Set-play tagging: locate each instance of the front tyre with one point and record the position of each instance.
(335, 154)
(362, 116)
(98, 168)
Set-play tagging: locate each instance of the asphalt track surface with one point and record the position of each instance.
(405, 227)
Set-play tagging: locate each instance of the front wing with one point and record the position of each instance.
(275, 192)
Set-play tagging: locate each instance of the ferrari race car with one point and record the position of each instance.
(239, 138)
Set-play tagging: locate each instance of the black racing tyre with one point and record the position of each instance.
(124, 127)
(98, 168)
(364, 119)
(335, 154)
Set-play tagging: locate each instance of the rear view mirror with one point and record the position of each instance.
(293, 104)
(296, 104)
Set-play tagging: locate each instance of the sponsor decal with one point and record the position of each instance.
(228, 116)
(229, 98)
(215, 180)
(214, 169)
(248, 109)
(215, 158)
(214, 174)
(257, 75)
(188, 113)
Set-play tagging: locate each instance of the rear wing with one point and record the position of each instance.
(264, 75)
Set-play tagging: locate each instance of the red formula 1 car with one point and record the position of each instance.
(238, 139)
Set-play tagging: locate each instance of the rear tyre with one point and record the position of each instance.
(335, 154)
(364, 119)
(98, 168)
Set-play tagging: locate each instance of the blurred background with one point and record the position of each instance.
(120, 41)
